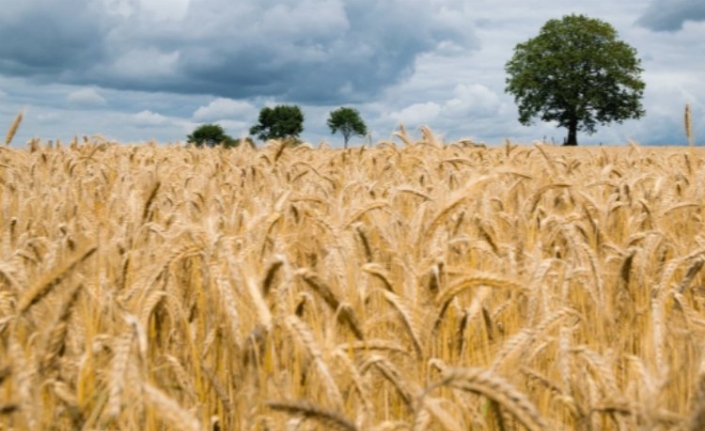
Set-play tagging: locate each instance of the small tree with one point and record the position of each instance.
(210, 135)
(280, 122)
(577, 73)
(348, 121)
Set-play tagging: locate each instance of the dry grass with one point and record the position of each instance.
(417, 286)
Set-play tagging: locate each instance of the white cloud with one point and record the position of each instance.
(418, 114)
(86, 96)
(148, 118)
(143, 64)
(465, 103)
(472, 101)
(225, 109)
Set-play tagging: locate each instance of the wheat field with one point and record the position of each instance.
(405, 286)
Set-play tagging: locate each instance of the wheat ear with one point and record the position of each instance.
(364, 210)
(498, 390)
(377, 271)
(13, 128)
(117, 375)
(692, 271)
(170, 410)
(480, 279)
(306, 339)
(371, 344)
(401, 134)
(56, 342)
(231, 313)
(150, 201)
(359, 383)
(408, 318)
(345, 312)
(270, 274)
(40, 290)
(327, 418)
(688, 125)
(407, 390)
(432, 408)
(263, 312)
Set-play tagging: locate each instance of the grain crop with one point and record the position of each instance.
(410, 285)
(688, 125)
(13, 128)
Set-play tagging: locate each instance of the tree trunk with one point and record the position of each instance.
(572, 133)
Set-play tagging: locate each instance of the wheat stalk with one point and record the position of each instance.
(170, 410)
(372, 344)
(307, 340)
(345, 312)
(56, 343)
(118, 373)
(407, 390)
(688, 125)
(696, 421)
(497, 389)
(477, 280)
(51, 280)
(13, 128)
(270, 274)
(327, 418)
(23, 376)
(408, 318)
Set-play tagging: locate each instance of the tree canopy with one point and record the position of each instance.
(210, 135)
(280, 122)
(348, 121)
(576, 73)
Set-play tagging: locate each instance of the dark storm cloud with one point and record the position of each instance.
(312, 51)
(670, 15)
(37, 41)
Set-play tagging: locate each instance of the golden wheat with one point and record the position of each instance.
(409, 285)
(329, 419)
(501, 392)
(13, 128)
(688, 126)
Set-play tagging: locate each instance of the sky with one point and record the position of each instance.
(141, 70)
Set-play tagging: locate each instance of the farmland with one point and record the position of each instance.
(404, 286)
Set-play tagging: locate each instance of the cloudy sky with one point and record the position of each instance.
(135, 70)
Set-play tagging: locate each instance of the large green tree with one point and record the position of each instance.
(348, 121)
(280, 122)
(210, 135)
(578, 74)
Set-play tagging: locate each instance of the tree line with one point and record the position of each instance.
(575, 73)
(284, 122)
